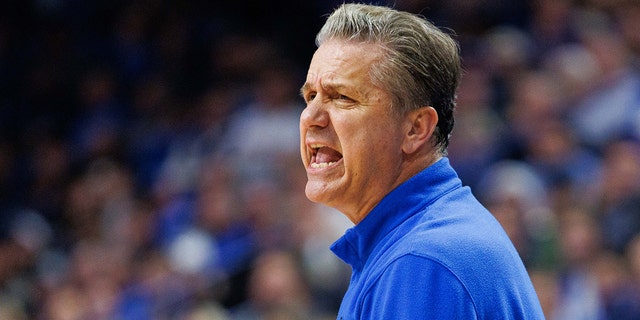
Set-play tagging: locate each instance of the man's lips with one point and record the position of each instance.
(323, 156)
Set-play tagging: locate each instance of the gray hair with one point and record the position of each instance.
(420, 64)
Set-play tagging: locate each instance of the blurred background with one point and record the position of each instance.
(149, 163)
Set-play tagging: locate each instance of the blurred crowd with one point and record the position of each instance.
(149, 155)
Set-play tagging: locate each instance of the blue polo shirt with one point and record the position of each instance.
(430, 250)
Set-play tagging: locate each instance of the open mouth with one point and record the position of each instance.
(323, 156)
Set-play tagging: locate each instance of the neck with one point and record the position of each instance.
(412, 165)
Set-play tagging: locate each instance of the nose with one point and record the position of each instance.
(314, 115)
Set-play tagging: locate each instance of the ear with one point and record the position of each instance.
(421, 123)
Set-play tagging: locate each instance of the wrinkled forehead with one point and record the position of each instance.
(338, 63)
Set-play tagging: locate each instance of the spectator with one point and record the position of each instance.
(276, 290)
(620, 194)
(581, 245)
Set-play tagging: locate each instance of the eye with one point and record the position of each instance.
(310, 96)
(341, 98)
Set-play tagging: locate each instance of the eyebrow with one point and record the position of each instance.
(305, 87)
(335, 86)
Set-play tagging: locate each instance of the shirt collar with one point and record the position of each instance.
(355, 246)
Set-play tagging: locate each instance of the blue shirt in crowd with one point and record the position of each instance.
(430, 250)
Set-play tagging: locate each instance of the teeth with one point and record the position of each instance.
(322, 165)
(316, 165)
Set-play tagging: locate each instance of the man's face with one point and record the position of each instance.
(350, 140)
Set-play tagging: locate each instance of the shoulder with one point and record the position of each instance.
(418, 286)
(460, 264)
(413, 286)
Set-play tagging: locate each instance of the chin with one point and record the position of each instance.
(317, 192)
(312, 194)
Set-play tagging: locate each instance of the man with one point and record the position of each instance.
(380, 96)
